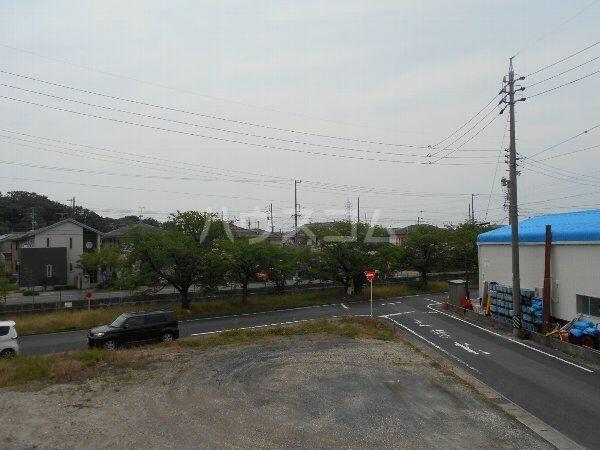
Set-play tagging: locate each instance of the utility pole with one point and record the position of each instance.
(33, 224)
(358, 210)
(513, 205)
(296, 210)
(271, 217)
(473, 209)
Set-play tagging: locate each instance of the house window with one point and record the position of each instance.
(49, 271)
(47, 242)
(590, 306)
(70, 242)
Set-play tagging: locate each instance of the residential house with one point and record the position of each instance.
(34, 259)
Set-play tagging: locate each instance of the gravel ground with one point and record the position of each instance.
(286, 393)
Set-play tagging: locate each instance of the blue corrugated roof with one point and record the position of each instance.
(580, 226)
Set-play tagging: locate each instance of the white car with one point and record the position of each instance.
(8, 339)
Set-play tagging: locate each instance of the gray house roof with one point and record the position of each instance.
(28, 234)
(118, 232)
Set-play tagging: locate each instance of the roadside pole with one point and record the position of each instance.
(370, 275)
(371, 298)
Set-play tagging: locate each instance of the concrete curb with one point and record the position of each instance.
(539, 427)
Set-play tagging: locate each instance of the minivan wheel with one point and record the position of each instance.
(167, 337)
(110, 344)
(7, 353)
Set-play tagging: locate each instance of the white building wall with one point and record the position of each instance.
(575, 270)
(59, 237)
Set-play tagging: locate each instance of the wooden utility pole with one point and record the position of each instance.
(271, 216)
(513, 208)
(358, 210)
(296, 210)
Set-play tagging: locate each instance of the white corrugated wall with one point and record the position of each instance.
(575, 270)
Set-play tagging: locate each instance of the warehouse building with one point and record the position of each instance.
(575, 260)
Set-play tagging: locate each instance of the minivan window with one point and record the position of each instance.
(4, 331)
(154, 318)
(119, 321)
(135, 321)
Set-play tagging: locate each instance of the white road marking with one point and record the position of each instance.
(344, 306)
(514, 340)
(466, 347)
(421, 324)
(434, 345)
(397, 314)
(484, 352)
(441, 333)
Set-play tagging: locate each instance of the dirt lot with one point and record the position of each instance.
(298, 392)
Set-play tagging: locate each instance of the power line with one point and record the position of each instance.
(563, 85)
(466, 123)
(221, 139)
(563, 72)
(207, 127)
(187, 91)
(564, 141)
(208, 116)
(496, 169)
(562, 59)
(558, 27)
(468, 140)
(560, 155)
(283, 181)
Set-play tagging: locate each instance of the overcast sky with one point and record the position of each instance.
(387, 72)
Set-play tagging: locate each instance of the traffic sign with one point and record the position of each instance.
(370, 274)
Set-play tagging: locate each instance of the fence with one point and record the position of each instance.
(157, 299)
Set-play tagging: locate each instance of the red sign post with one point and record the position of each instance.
(371, 274)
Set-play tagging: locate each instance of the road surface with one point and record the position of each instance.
(559, 390)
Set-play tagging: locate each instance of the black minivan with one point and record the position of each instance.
(133, 327)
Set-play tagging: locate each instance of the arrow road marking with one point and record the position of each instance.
(466, 347)
(441, 333)
(434, 345)
(511, 340)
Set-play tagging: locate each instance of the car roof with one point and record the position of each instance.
(145, 313)
(7, 323)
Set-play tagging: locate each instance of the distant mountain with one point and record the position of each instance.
(16, 213)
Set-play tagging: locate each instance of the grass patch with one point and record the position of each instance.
(86, 364)
(64, 367)
(74, 320)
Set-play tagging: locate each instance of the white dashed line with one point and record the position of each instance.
(344, 306)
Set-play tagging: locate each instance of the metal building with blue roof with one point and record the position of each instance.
(575, 260)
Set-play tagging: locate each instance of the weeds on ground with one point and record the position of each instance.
(85, 364)
(74, 320)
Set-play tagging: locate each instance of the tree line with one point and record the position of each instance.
(196, 249)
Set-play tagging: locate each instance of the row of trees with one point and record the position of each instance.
(194, 249)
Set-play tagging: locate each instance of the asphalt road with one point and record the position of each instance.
(559, 390)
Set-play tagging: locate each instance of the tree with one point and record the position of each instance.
(106, 257)
(187, 253)
(462, 246)
(425, 250)
(245, 260)
(283, 263)
(345, 251)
